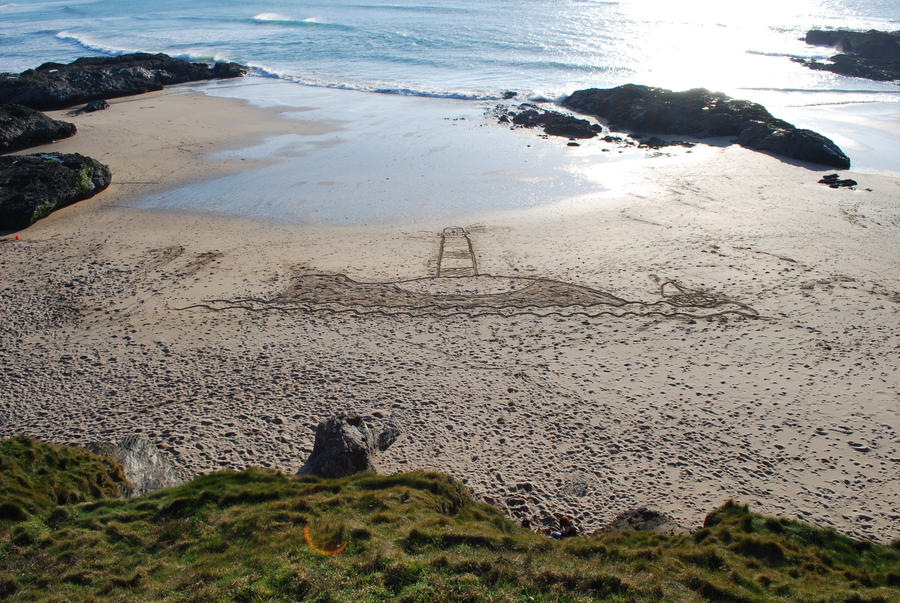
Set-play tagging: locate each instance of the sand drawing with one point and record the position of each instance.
(456, 256)
(458, 289)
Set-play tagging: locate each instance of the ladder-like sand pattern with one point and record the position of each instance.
(456, 256)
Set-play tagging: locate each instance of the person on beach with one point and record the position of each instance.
(566, 529)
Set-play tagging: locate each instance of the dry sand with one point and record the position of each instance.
(719, 326)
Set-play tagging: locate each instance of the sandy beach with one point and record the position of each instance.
(701, 327)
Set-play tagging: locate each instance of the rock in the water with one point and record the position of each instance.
(32, 186)
(146, 468)
(345, 445)
(700, 113)
(873, 54)
(23, 127)
(55, 86)
(643, 519)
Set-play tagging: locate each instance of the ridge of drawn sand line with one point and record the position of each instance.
(458, 289)
(340, 294)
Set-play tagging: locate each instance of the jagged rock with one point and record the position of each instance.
(804, 145)
(345, 445)
(873, 54)
(643, 519)
(91, 107)
(32, 186)
(700, 113)
(555, 124)
(654, 142)
(146, 468)
(835, 181)
(388, 436)
(97, 105)
(22, 127)
(55, 86)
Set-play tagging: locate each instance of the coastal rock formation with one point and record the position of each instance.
(32, 186)
(143, 464)
(700, 113)
(345, 445)
(874, 55)
(23, 127)
(55, 86)
(835, 181)
(91, 107)
(643, 520)
(552, 122)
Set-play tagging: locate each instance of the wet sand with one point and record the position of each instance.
(709, 326)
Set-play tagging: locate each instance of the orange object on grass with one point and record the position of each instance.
(317, 549)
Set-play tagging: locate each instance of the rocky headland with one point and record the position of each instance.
(699, 113)
(57, 86)
(32, 186)
(873, 55)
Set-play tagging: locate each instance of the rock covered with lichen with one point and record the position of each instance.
(32, 186)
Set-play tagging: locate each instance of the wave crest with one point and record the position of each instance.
(93, 45)
(279, 19)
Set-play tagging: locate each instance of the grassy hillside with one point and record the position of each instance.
(260, 534)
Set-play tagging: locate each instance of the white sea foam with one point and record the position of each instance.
(271, 18)
(89, 43)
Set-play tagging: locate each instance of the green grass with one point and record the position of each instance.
(414, 536)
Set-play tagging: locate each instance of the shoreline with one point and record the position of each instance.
(537, 414)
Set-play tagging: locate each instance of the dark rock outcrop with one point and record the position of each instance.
(91, 107)
(345, 445)
(55, 86)
(796, 143)
(553, 123)
(874, 55)
(835, 181)
(643, 519)
(700, 113)
(32, 186)
(22, 127)
(146, 468)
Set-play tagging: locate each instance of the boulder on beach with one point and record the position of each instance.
(345, 445)
(701, 114)
(24, 127)
(145, 467)
(56, 85)
(32, 186)
(873, 54)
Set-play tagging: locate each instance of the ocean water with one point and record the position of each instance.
(468, 48)
(465, 54)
